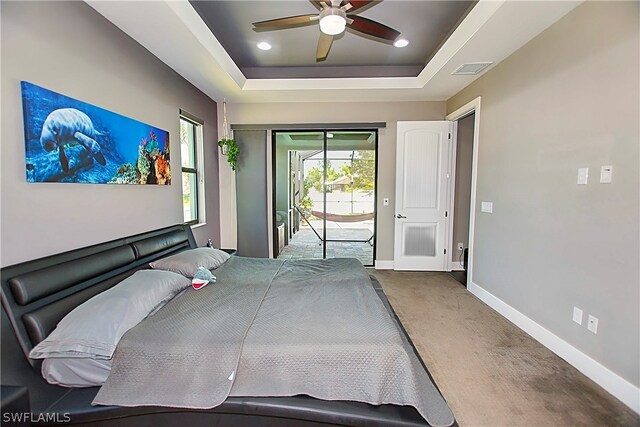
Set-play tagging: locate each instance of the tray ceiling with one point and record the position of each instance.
(426, 24)
(175, 32)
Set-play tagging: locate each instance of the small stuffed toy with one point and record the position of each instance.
(201, 278)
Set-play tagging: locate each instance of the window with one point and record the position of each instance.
(192, 182)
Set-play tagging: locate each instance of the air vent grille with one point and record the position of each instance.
(470, 68)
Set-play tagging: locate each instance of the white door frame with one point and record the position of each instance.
(471, 107)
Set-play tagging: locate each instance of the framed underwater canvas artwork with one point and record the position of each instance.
(67, 140)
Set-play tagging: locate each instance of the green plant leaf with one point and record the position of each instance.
(232, 151)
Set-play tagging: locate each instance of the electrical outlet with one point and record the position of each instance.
(460, 246)
(592, 324)
(577, 315)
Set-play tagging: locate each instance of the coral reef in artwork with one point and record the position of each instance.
(67, 140)
(152, 165)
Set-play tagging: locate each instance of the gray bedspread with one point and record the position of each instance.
(273, 328)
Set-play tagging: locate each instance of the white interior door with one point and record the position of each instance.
(422, 202)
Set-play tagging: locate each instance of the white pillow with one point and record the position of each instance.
(93, 329)
(187, 262)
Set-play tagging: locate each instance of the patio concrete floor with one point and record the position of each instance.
(305, 244)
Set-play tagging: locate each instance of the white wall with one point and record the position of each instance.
(69, 48)
(568, 99)
(347, 112)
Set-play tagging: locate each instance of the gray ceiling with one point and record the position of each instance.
(426, 24)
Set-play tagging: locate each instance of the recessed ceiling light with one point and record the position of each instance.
(401, 43)
(264, 46)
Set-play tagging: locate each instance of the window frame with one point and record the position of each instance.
(197, 170)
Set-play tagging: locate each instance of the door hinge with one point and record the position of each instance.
(445, 251)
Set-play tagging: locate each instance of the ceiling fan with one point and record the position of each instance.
(333, 19)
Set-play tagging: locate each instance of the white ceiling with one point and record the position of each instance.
(491, 31)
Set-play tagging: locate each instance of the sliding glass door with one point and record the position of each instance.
(325, 192)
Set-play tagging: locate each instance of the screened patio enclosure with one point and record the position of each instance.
(325, 194)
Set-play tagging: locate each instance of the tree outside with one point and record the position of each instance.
(359, 192)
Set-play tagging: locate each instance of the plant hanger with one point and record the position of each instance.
(228, 146)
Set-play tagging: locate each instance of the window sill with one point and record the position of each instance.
(198, 225)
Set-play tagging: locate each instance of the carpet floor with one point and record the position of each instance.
(490, 372)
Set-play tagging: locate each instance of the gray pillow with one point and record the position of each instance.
(93, 329)
(187, 262)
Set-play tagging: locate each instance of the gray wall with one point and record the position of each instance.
(567, 99)
(69, 48)
(251, 188)
(352, 112)
(462, 197)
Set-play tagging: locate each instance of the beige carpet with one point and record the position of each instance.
(489, 371)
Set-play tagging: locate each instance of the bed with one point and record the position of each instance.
(36, 295)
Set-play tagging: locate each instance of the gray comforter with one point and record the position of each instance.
(273, 328)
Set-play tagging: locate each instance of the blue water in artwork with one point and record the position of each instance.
(67, 140)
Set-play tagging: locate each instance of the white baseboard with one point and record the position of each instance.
(622, 389)
(456, 266)
(384, 265)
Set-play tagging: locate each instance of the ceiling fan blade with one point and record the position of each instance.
(356, 4)
(372, 28)
(320, 4)
(288, 21)
(324, 44)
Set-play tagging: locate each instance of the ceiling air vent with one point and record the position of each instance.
(470, 68)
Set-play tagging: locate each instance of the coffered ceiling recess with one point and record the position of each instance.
(212, 44)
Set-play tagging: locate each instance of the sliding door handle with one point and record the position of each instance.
(400, 216)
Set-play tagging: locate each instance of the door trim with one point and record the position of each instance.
(470, 107)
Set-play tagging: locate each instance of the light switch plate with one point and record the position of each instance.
(577, 315)
(583, 176)
(606, 173)
(487, 207)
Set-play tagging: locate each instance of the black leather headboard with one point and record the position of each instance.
(37, 294)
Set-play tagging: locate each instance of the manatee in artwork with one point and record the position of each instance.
(66, 126)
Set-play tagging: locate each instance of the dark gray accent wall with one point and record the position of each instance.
(251, 191)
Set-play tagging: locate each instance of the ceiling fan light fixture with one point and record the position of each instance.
(332, 21)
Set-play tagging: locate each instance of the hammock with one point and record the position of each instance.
(343, 217)
(365, 216)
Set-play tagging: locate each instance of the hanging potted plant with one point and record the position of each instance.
(228, 146)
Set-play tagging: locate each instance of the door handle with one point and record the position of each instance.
(400, 216)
